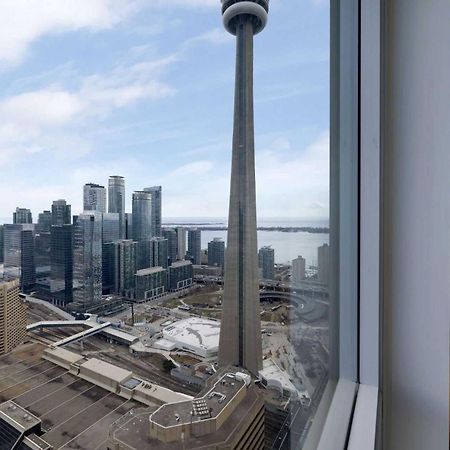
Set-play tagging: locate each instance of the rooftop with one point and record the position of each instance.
(181, 264)
(149, 271)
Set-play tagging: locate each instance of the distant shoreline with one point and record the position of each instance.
(201, 226)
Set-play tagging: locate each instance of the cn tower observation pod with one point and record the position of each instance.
(257, 9)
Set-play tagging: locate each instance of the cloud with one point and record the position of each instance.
(24, 21)
(194, 168)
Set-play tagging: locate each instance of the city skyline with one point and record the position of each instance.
(85, 136)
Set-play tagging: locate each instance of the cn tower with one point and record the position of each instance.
(240, 334)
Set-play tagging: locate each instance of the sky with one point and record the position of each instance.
(144, 89)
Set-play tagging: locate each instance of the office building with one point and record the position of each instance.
(181, 243)
(156, 192)
(323, 262)
(142, 215)
(159, 252)
(181, 275)
(13, 316)
(216, 253)
(116, 200)
(110, 267)
(19, 254)
(42, 253)
(127, 267)
(128, 226)
(22, 215)
(61, 213)
(266, 258)
(44, 222)
(172, 243)
(110, 227)
(94, 197)
(195, 245)
(61, 264)
(298, 269)
(87, 259)
(150, 283)
(241, 345)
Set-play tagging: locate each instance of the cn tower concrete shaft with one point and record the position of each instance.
(240, 334)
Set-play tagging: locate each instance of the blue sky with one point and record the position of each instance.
(144, 89)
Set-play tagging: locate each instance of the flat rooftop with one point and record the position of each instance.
(181, 263)
(149, 271)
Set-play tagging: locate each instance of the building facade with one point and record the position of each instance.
(159, 256)
(22, 215)
(181, 275)
(195, 245)
(323, 262)
(61, 213)
(150, 283)
(181, 243)
(127, 267)
(61, 264)
(156, 192)
(216, 253)
(2, 240)
(172, 243)
(13, 316)
(298, 269)
(44, 222)
(142, 215)
(87, 259)
(266, 260)
(94, 197)
(116, 200)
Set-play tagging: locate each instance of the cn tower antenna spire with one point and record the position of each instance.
(240, 333)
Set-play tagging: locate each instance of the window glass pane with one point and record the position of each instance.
(166, 183)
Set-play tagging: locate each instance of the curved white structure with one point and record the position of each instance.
(258, 9)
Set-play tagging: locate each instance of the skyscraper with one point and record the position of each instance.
(156, 192)
(181, 243)
(172, 243)
(110, 227)
(142, 215)
(61, 213)
(323, 261)
(241, 345)
(159, 252)
(127, 267)
(19, 254)
(94, 197)
(110, 235)
(216, 253)
(195, 245)
(22, 215)
(116, 200)
(266, 257)
(44, 222)
(61, 263)
(298, 269)
(129, 226)
(13, 316)
(87, 259)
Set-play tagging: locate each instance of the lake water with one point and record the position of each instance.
(287, 246)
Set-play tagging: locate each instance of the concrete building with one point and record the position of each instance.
(181, 243)
(181, 275)
(216, 253)
(298, 269)
(266, 262)
(22, 215)
(44, 222)
(61, 213)
(150, 283)
(19, 254)
(195, 245)
(172, 243)
(323, 262)
(61, 263)
(241, 344)
(116, 201)
(87, 259)
(94, 197)
(156, 192)
(13, 316)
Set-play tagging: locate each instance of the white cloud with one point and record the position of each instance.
(24, 21)
(194, 168)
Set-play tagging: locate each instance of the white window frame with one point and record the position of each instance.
(348, 413)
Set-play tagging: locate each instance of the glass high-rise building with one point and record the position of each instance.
(323, 262)
(128, 226)
(42, 254)
(266, 259)
(61, 263)
(156, 192)
(216, 253)
(116, 200)
(127, 252)
(142, 215)
(172, 243)
(159, 256)
(22, 215)
(110, 227)
(61, 213)
(181, 243)
(94, 197)
(19, 254)
(195, 245)
(44, 222)
(87, 259)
